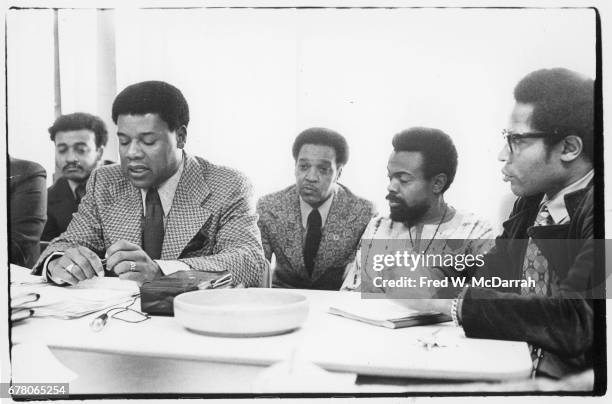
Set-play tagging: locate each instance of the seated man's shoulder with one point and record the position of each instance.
(376, 223)
(110, 172)
(108, 180)
(221, 179)
(20, 169)
(356, 202)
(271, 202)
(473, 226)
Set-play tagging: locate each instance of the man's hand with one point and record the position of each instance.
(77, 264)
(426, 291)
(129, 261)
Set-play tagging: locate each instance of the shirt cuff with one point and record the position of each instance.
(169, 267)
(50, 258)
(460, 305)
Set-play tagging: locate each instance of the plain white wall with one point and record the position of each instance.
(255, 78)
(29, 62)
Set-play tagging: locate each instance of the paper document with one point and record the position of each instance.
(385, 313)
(86, 297)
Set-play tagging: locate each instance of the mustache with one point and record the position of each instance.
(393, 198)
(72, 165)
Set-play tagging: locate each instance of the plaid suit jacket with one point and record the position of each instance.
(280, 222)
(211, 225)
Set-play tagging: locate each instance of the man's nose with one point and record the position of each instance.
(134, 151)
(311, 175)
(71, 156)
(504, 153)
(392, 187)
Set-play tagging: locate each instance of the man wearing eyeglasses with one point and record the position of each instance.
(547, 243)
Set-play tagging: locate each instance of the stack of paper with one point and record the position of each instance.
(68, 301)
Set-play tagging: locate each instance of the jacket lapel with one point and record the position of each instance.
(290, 221)
(62, 202)
(330, 237)
(188, 213)
(525, 210)
(125, 215)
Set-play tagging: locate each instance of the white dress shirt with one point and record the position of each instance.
(305, 210)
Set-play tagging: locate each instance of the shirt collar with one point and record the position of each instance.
(73, 186)
(166, 189)
(556, 205)
(305, 209)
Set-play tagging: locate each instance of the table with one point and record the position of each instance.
(160, 356)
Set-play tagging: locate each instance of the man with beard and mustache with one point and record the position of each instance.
(421, 168)
(79, 140)
(313, 226)
(162, 210)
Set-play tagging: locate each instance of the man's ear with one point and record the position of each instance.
(339, 172)
(99, 153)
(181, 136)
(438, 182)
(571, 148)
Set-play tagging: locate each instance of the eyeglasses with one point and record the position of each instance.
(513, 139)
(128, 315)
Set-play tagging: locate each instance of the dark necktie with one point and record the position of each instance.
(313, 238)
(79, 192)
(153, 227)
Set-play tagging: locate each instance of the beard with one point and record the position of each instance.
(407, 214)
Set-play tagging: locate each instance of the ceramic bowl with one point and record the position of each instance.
(241, 312)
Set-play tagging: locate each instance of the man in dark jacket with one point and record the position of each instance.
(547, 245)
(27, 207)
(79, 143)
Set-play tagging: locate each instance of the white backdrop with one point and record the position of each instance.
(255, 78)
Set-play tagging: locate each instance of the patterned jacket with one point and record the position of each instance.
(282, 234)
(211, 225)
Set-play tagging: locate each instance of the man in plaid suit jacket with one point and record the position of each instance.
(208, 222)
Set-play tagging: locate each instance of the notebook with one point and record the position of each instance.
(385, 313)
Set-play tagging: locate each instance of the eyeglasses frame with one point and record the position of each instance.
(510, 136)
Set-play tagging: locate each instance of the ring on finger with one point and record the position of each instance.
(69, 268)
(132, 266)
